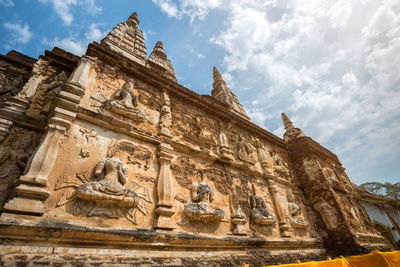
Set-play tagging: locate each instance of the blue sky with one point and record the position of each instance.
(332, 66)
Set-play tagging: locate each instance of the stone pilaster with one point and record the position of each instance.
(32, 191)
(165, 190)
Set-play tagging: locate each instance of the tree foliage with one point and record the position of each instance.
(387, 190)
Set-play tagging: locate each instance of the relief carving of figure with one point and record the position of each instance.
(14, 88)
(107, 194)
(200, 209)
(224, 151)
(311, 168)
(46, 93)
(327, 212)
(262, 156)
(281, 168)
(331, 177)
(295, 212)
(247, 152)
(259, 213)
(13, 163)
(165, 116)
(125, 102)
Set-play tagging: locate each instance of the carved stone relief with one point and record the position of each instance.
(262, 157)
(12, 88)
(311, 168)
(45, 93)
(296, 217)
(224, 150)
(124, 102)
(259, 215)
(200, 209)
(165, 116)
(327, 212)
(246, 151)
(331, 177)
(13, 160)
(281, 168)
(108, 192)
(238, 219)
(88, 134)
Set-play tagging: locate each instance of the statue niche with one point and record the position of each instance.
(124, 102)
(259, 215)
(200, 209)
(294, 209)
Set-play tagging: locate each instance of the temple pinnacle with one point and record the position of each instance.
(291, 131)
(216, 74)
(286, 122)
(133, 20)
(159, 50)
(222, 92)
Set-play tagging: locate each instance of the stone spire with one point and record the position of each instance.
(159, 62)
(127, 39)
(291, 131)
(222, 92)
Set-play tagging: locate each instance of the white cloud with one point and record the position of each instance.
(20, 33)
(78, 45)
(94, 33)
(69, 44)
(91, 7)
(63, 8)
(195, 9)
(169, 8)
(8, 3)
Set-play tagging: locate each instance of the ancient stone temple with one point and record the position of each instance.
(107, 159)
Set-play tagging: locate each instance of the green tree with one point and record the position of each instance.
(387, 190)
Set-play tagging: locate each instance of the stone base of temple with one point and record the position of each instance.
(31, 242)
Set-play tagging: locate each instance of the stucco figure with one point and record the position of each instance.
(125, 102)
(201, 209)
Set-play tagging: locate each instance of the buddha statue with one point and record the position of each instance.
(259, 213)
(125, 102)
(201, 210)
(294, 209)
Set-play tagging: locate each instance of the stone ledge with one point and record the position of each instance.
(53, 231)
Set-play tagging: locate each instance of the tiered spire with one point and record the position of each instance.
(291, 131)
(222, 92)
(159, 62)
(127, 39)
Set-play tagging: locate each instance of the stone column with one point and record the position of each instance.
(283, 225)
(33, 191)
(165, 190)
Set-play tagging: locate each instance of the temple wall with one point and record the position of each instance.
(107, 150)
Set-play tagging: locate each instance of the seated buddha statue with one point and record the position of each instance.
(125, 102)
(259, 213)
(201, 210)
(109, 190)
